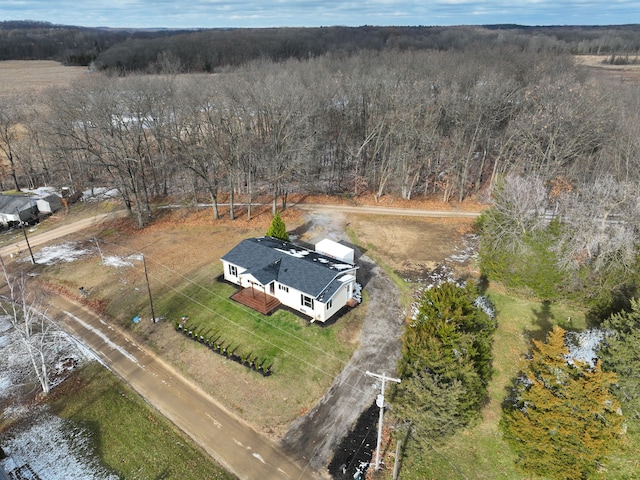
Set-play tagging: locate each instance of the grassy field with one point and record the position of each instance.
(26, 77)
(131, 439)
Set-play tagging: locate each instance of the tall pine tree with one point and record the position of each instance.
(446, 362)
(563, 419)
(621, 354)
(277, 229)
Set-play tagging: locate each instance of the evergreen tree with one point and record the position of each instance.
(563, 419)
(446, 361)
(621, 354)
(277, 229)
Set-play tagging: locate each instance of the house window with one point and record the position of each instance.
(284, 288)
(306, 301)
(330, 304)
(233, 270)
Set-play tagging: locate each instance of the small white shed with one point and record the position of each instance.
(335, 250)
(49, 204)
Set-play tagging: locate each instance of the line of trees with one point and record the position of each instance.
(207, 50)
(414, 123)
(561, 240)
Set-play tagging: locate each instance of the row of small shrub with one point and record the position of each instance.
(217, 345)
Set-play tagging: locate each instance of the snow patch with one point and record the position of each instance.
(119, 262)
(61, 253)
(54, 449)
(5, 323)
(5, 384)
(106, 339)
(42, 191)
(583, 346)
(99, 193)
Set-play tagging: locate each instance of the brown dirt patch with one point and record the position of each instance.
(410, 246)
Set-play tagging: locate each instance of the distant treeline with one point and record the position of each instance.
(208, 50)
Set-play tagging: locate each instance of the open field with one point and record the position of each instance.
(619, 73)
(28, 77)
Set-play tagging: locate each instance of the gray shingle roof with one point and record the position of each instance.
(269, 259)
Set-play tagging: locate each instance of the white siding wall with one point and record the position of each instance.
(227, 274)
(338, 301)
(292, 297)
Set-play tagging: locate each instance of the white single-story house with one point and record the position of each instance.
(316, 283)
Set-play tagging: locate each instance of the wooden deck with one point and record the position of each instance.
(256, 300)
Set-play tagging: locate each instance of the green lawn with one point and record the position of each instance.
(129, 437)
(288, 342)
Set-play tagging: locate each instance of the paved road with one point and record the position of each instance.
(234, 444)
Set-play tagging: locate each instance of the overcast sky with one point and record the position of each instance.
(314, 13)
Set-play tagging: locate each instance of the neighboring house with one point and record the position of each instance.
(25, 208)
(273, 272)
(17, 208)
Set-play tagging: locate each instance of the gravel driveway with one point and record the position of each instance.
(314, 436)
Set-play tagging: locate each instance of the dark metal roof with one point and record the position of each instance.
(9, 203)
(270, 259)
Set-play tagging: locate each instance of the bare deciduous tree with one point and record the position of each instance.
(11, 114)
(38, 335)
(601, 221)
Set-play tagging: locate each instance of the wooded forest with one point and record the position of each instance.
(123, 51)
(445, 124)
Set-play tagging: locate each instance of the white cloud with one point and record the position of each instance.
(310, 13)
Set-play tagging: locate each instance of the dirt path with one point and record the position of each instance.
(54, 234)
(397, 212)
(315, 435)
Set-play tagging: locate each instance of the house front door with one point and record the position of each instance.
(272, 288)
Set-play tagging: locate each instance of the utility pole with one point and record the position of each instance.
(24, 230)
(380, 403)
(95, 239)
(144, 264)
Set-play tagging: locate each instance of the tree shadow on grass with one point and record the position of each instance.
(542, 322)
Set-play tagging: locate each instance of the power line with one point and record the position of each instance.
(250, 312)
